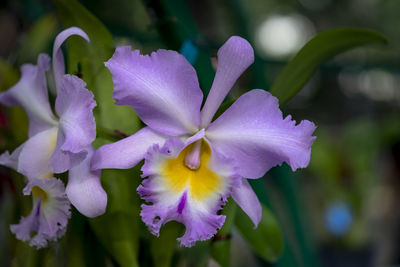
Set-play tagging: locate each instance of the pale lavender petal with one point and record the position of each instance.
(199, 226)
(175, 202)
(77, 127)
(35, 154)
(234, 57)
(128, 152)
(27, 225)
(253, 132)
(162, 88)
(84, 188)
(11, 161)
(248, 201)
(61, 161)
(50, 213)
(31, 93)
(58, 58)
(74, 105)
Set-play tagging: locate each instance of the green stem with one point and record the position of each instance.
(113, 135)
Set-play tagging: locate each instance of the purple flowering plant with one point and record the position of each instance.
(192, 161)
(56, 144)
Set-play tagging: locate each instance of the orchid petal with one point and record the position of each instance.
(61, 161)
(74, 105)
(162, 88)
(84, 188)
(247, 200)
(234, 57)
(253, 132)
(128, 152)
(58, 58)
(50, 213)
(11, 161)
(35, 154)
(77, 128)
(31, 93)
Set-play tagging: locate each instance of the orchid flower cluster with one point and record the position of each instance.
(55, 145)
(192, 161)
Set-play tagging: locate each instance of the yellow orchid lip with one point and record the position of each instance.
(188, 184)
(200, 183)
(39, 193)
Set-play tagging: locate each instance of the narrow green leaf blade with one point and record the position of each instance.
(266, 240)
(321, 48)
(163, 247)
(221, 245)
(118, 228)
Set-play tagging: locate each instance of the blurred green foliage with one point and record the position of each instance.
(321, 48)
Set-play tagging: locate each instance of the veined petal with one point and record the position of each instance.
(128, 152)
(58, 58)
(178, 193)
(50, 213)
(35, 154)
(74, 105)
(31, 93)
(234, 57)
(84, 188)
(253, 132)
(247, 200)
(77, 128)
(162, 88)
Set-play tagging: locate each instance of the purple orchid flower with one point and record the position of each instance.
(191, 162)
(49, 215)
(55, 145)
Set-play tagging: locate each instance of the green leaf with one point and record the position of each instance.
(8, 75)
(18, 120)
(118, 228)
(87, 59)
(321, 48)
(266, 240)
(39, 38)
(163, 247)
(221, 245)
(196, 256)
(109, 115)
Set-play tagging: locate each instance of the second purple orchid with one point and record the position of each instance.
(55, 145)
(192, 164)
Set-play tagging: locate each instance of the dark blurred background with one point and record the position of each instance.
(343, 209)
